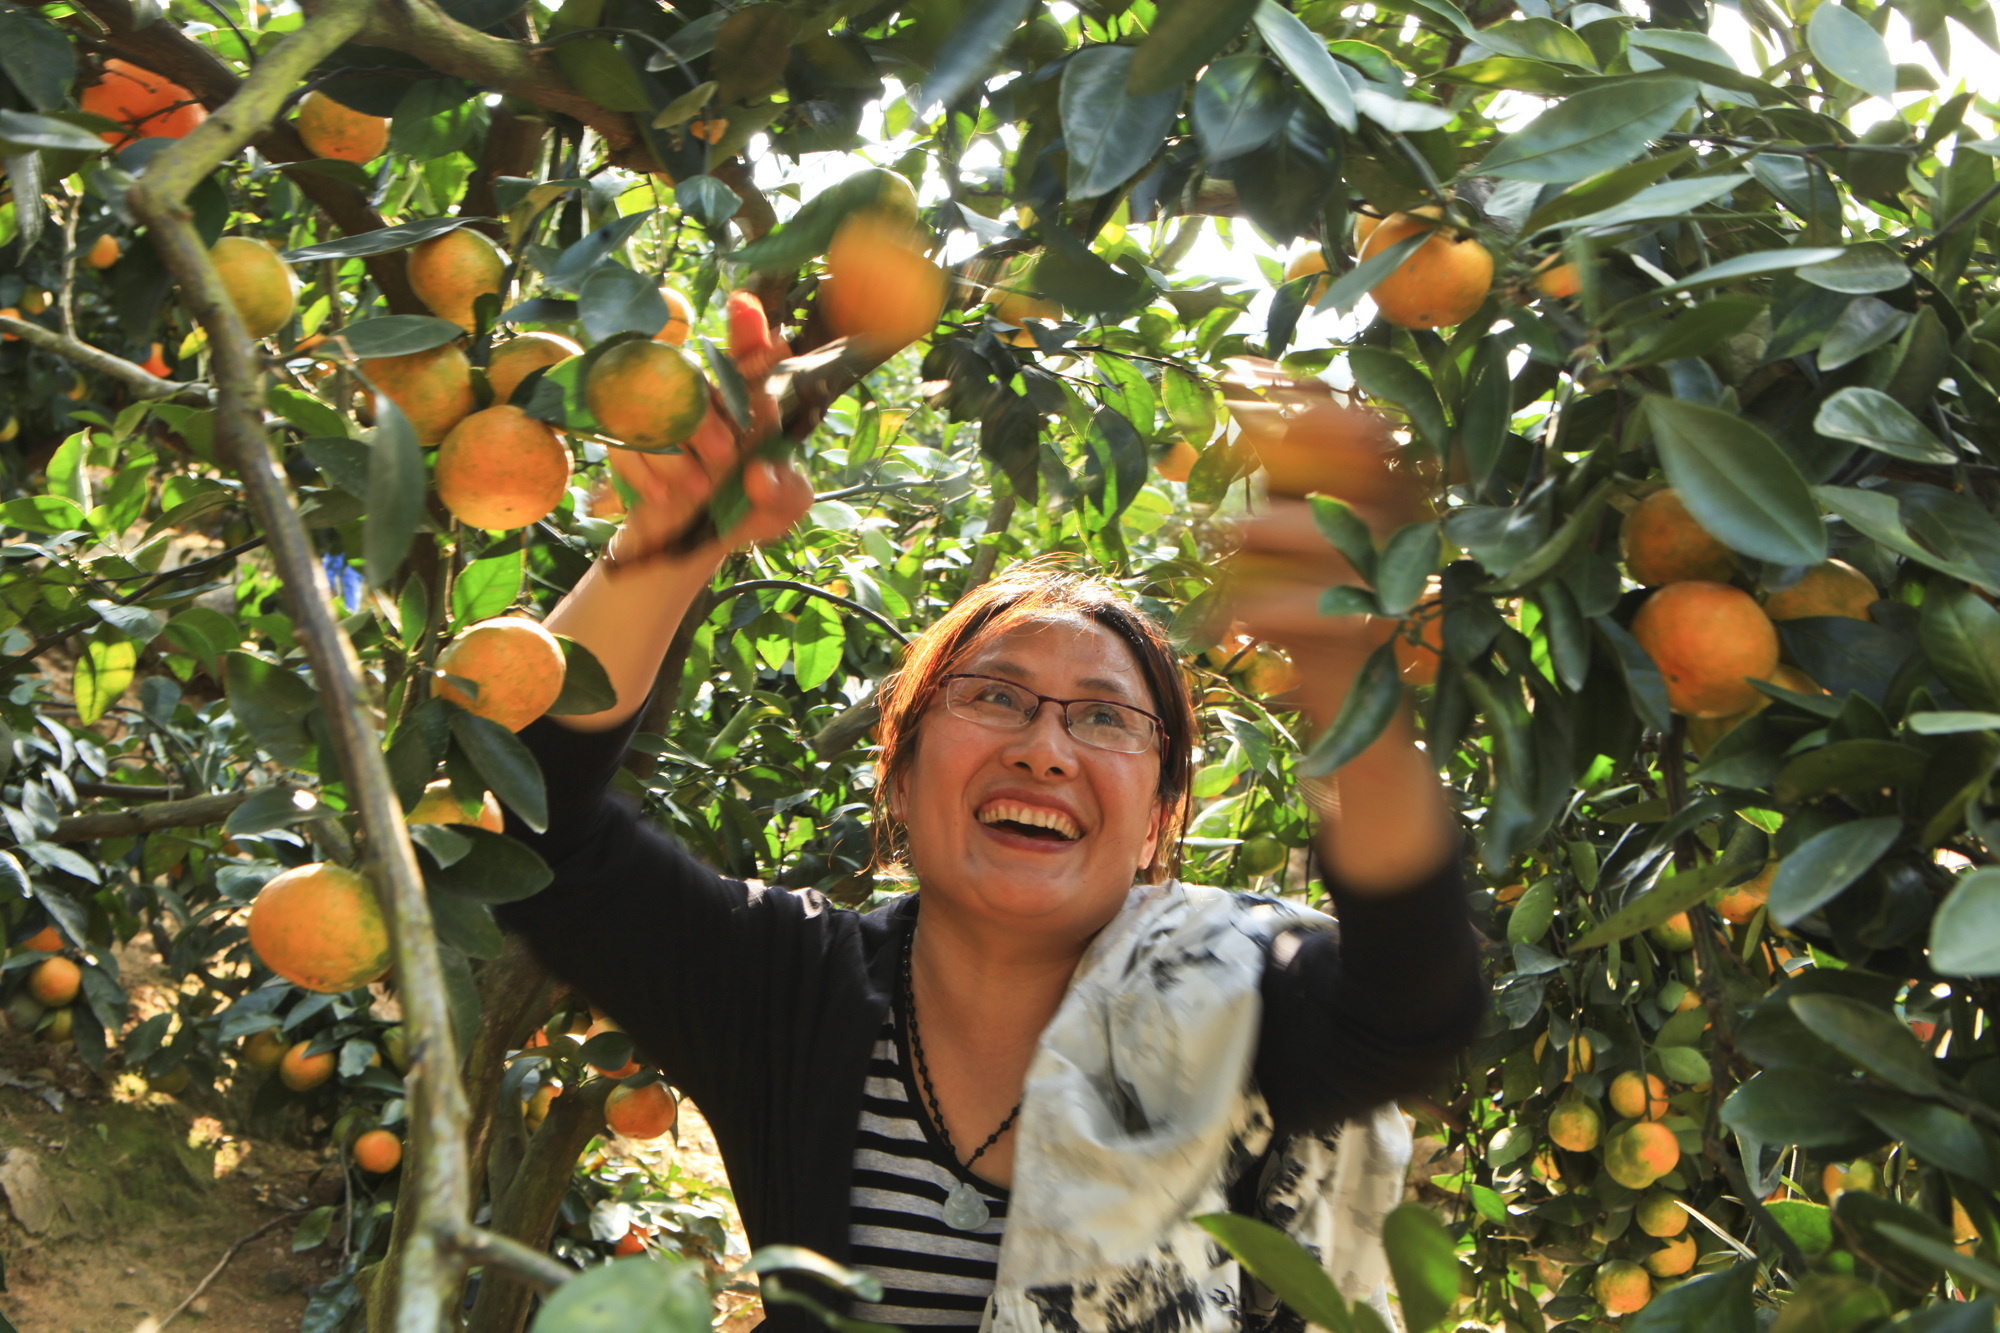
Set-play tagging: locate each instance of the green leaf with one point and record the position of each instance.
(1128, 391)
(1363, 278)
(1190, 406)
(1822, 867)
(586, 687)
(1682, 1064)
(1667, 200)
(486, 588)
(1748, 266)
(309, 414)
(1349, 535)
(1801, 1107)
(1736, 481)
(1423, 1263)
(708, 201)
(1868, 267)
(1283, 1265)
(271, 702)
(1408, 559)
(1538, 39)
(1695, 332)
(1604, 190)
(1532, 914)
(37, 57)
(21, 133)
(1960, 632)
(1070, 273)
(1872, 1037)
(1863, 326)
(1849, 49)
(1965, 933)
(819, 640)
(1643, 682)
(1389, 377)
(506, 766)
(102, 675)
(1669, 898)
(313, 1228)
(1855, 766)
(42, 513)
(1238, 105)
(395, 335)
(1370, 704)
(1872, 418)
(1592, 131)
(1937, 1134)
(1712, 1303)
(396, 487)
(1110, 134)
(1306, 56)
(970, 52)
(613, 299)
(582, 258)
(494, 868)
(1186, 35)
(658, 1294)
(1810, 1225)
(1878, 515)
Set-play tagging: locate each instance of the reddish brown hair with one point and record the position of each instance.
(1032, 592)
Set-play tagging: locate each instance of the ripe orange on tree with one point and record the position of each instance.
(536, 1109)
(882, 290)
(1704, 732)
(1662, 544)
(103, 252)
(1709, 641)
(631, 1065)
(1311, 261)
(648, 394)
(265, 1050)
(633, 1241)
(1833, 588)
(1016, 307)
(45, 940)
(502, 469)
(156, 364)
(517, 358)
(261, 286)
(680, 317)
(1621, 1287)
(61, 1027)
(1636, 1096)
(11, 312)
(320, 927)
(1740, 902)
(436, 806)
(301, 1072)
(1640, 1153)
(1673, 1258)
(1675, 933)
(1575, 1124)
(378, 1152)
(146, 104)
(517, 665)
(434, 388)
(55, 981)
(1660, 1214)
(451, 272)
(641, 1113)
(1557, 278)
(1177, 463)
(1444, 282)
(338, 132)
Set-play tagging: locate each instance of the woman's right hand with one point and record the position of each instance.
(671, 490)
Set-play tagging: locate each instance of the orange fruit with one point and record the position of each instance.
(882, 291)
(378, 1152)
(1640, 1153)
(62, 1026)
(631, 1065)
(1442, 283)
(156, 364)
(433, 388)
(1860, 1174)
(680, 318)
(501, 468)
(103, 252)
(1270, 671)
(437, 807)
(450, 272)
(319, 926)
(34, 301)
(1321, 448)
(261, 286)
(1636, 1096)
(1178, 462)
(1364, 227)
(1709, 641)
(518, 358)
(1578, 1054)
(1739, 903)
(172, 1083)
(301, 1072)
(536, 1109)
(11, 312)
(1673, 1258)
(1621, 1287)
(1675, 933)
(55, 981)
(145, 104)
(45, 940)
(1834, 588)
(1544, 1167)
(335, 131)
(1663, 544)
(1017, 308)
(1312, 261)
(1660, 1214)
(632, 1242)
(1557, 280)
(648, 394)
(517, 665)
(1575, 1125)
(641, 1113)
(1508, 894)
(264, 1050)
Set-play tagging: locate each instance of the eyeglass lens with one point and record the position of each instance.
(1095, 722)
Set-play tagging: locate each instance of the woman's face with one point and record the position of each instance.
(978, 800)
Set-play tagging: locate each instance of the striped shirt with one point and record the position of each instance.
(932, 1276)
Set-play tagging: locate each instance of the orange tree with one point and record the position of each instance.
(1699, 623)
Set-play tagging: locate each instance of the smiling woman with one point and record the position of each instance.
(1005, 1094)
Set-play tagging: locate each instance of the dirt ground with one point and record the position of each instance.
(135, 1198)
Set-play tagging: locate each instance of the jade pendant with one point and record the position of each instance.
(964, 1210)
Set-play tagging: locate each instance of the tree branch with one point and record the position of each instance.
(436, 1191)
(192, 813)
(752, 585)
(137, 381)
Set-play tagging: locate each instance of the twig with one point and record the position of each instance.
(1958, 219)
(140, 383)
(145, 818)
(889, 487)
(1790, 149)
(223, 1263)
(167, 576)
(489, 1249)
(752, 585)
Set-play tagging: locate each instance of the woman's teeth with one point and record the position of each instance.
(1033, 817)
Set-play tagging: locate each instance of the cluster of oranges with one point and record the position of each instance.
(53, 985)
(1443, 281)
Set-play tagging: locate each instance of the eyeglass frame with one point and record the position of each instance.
(1160, 740)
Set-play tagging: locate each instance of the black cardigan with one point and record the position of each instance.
(763, 1004)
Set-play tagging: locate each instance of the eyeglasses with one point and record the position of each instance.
(1099, 723)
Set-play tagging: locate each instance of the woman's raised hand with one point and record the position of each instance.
(672, 489)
